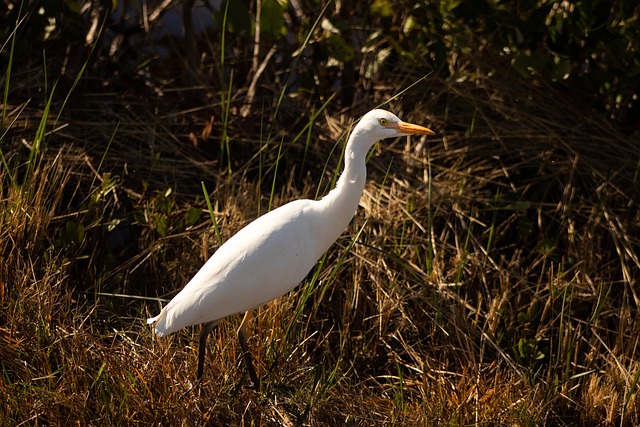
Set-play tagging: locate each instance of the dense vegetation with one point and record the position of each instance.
(490, 276)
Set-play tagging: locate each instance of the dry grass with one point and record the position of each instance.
(489, 277)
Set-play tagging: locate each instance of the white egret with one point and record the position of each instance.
(273, 254)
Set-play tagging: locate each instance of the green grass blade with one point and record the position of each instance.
(81, 72)
(213, 217)
(7, 80)
(39, 139)
(275, 175)
(295, 63)
(104, 155)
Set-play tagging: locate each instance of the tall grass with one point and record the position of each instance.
(488, 277)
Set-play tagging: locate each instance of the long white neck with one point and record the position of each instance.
(341, 203)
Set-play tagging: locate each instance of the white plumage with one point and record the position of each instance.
(262, 261)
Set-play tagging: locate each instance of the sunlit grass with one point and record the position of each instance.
(488, 278)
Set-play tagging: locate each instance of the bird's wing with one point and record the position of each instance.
(261, 262)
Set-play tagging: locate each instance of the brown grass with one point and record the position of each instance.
(489, 277)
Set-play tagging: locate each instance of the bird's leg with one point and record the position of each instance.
(202, 346)
(248, 360)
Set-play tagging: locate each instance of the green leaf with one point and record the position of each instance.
(340, 49)
(272, 19)
(160, 224)
(73, 233)
(192, 216)
(381, 7)
(522, 317)
(239, 19)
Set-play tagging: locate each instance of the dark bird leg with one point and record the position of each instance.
(248, 360)
(202, 346)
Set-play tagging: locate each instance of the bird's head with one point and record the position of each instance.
(381, 124)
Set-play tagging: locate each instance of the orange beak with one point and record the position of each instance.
(411, 129)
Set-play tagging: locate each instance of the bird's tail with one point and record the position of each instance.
(160, 331)
(151, 320)
(181, 311)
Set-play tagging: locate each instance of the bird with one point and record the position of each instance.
(274, 253)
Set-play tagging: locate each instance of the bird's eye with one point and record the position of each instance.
(383, 122)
